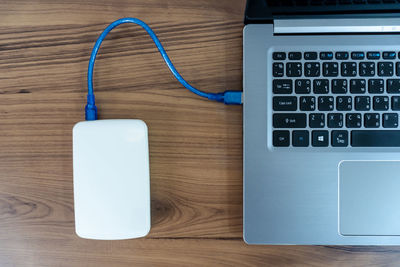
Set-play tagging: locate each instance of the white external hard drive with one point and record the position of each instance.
(111, 179)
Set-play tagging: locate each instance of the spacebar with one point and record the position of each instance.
(375, 138)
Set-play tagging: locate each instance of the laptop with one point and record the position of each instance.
(321, 122)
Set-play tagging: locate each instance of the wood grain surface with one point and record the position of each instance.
(195, 145)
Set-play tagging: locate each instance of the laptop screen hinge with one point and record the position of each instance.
(332, 25)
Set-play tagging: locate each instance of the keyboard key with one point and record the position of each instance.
(302, 86)
(349, 69)
(284, 103)
(325, 55)
(300, 138)
(294, 56)
(342, 55)
(357, 86)
(321, 86)
(362, 103)
(375, 138)
(317, 120)
(393, 86)
(277, 70)
(282, 86)
(330, 69)
(389, 55)
(353, 120)
(310, 55)
(325, 103)
(289, 120)
(395, 102)
(320, 138)
(367, 69)
(398, 68)
(381, 103)
(390, 120)
(335, 120)
(375, 86)
(312, 69)
(373, 55)
(357, 55)
(279, 55)
(344, 103)
(293, 69)
(281, 138)
(385, 69)
(339, 86)
(307, 103)
(340, 138)
(372, 120)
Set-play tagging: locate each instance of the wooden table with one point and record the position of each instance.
(195, 145)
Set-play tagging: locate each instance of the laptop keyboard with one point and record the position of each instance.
(336, 99)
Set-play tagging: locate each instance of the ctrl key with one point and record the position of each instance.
(281, 138)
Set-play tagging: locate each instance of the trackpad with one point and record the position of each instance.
(369, 198)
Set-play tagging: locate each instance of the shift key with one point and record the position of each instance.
(289, 120)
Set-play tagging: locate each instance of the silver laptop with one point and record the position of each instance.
(321, 122)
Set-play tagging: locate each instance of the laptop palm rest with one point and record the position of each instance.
(369, 198)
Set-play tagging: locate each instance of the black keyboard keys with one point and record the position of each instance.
(335, 120)
(320, 138)
(373, 55)
(372, 120)
(376, 86)
(357, 86)
(325, 55)
(381, 103)
(284, 103)
(396, 103)
(300, 138)
(310, 56)
(357, 55)
(389, 55)
(312, 69)
(330, 69)
(277, 69)
(344, 103)
(281, 138)
(342, 55)
(339, 86)
(282, 86)
(293, 69)
(353, 120)
(367, 69)
(385, 69)
(340, 138)
(325, 103)
(294, 56)
(362, 103)
(317, 120)
(289, 120)
(390, 120)
(321, 86)
(349, 69)
(375, 138)
(302, 86)
(307, 103)
(393, 86)
(279, 55)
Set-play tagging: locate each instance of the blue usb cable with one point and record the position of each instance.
(227, 97)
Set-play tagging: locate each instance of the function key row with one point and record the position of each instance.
(326, 55)
(336, 86)
(331, 69)
(335, 120)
